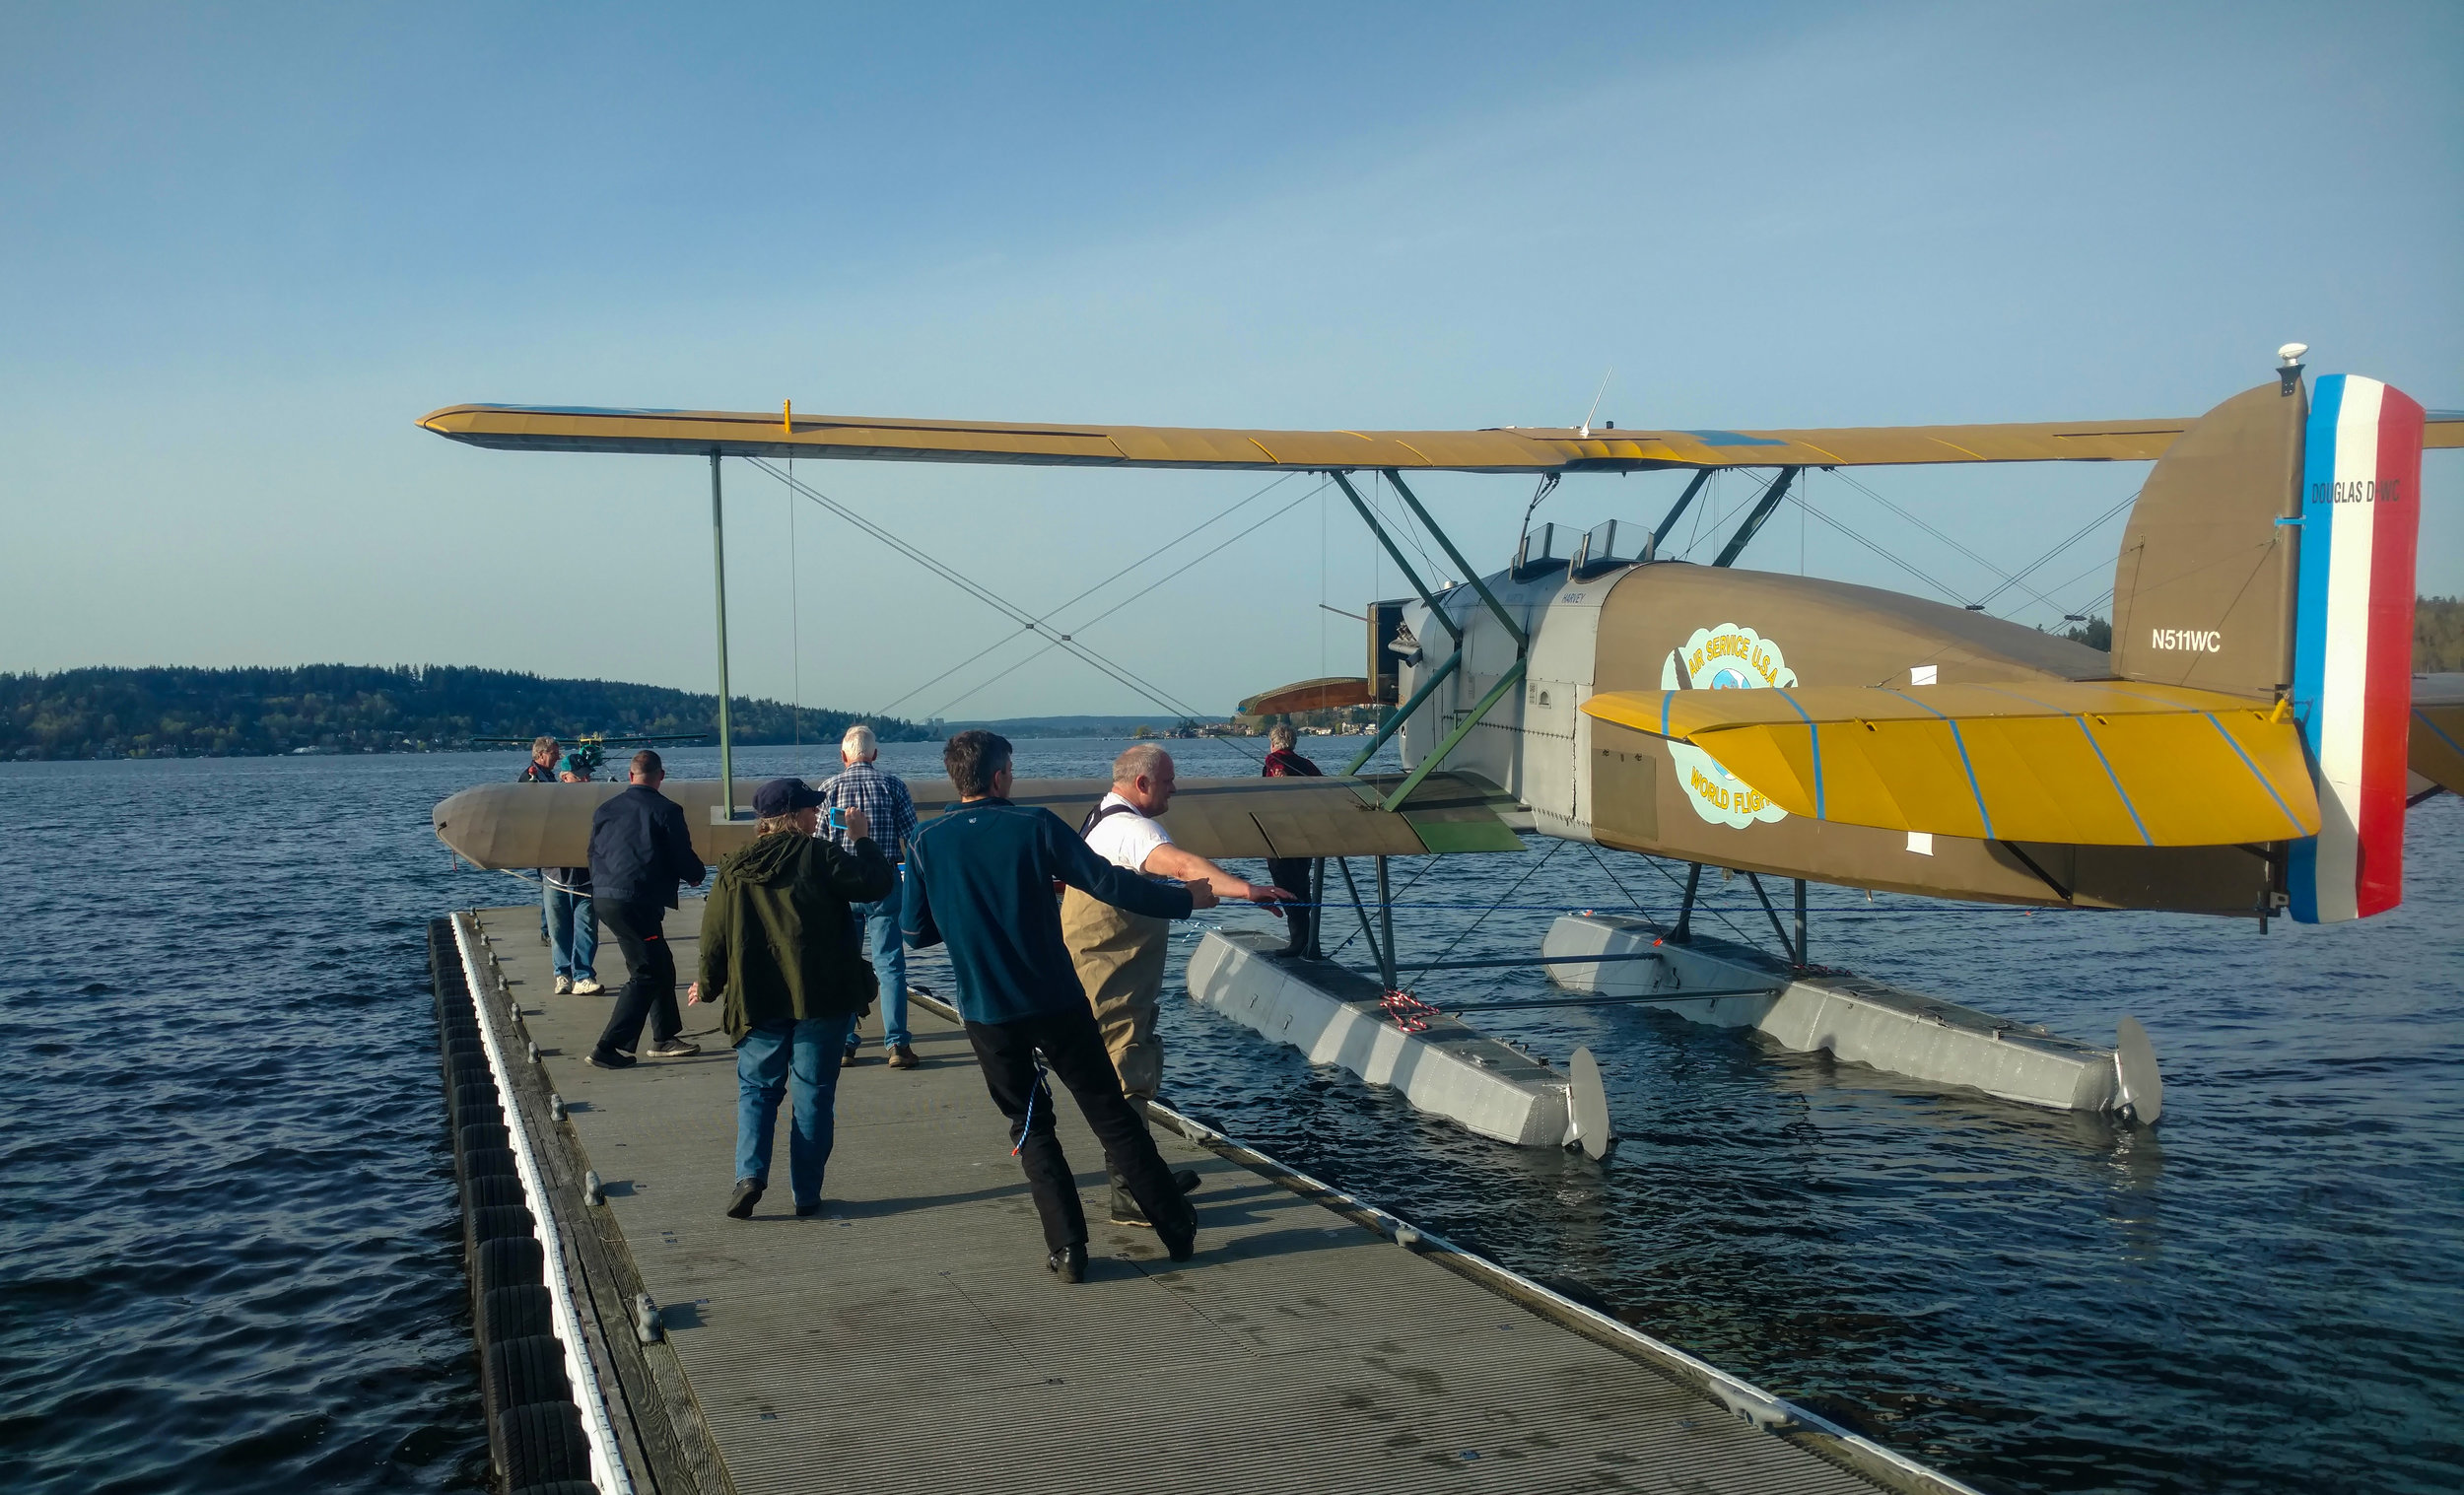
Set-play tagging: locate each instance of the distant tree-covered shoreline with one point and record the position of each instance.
(354, 708)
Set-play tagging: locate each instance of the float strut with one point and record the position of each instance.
(1683, 934)
(1385, 925)
(1316, 900)
(1801, 921)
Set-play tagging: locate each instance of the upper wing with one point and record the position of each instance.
(2096, 763)
(548, 825)
(700, 432)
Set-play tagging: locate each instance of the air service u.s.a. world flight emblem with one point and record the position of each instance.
(1727, 656)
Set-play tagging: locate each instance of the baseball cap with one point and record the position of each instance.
(785, 796)
(572, 762)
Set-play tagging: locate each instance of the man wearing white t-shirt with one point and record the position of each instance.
(1120, 955)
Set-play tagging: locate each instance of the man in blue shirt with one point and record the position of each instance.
(886, 804)
(980, 879)
(640, 850)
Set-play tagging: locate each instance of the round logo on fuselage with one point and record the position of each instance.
(1727, 656)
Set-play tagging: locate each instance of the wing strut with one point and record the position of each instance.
(1369, 519)
(1470, 572)
(1753, 522)
(1684, 502)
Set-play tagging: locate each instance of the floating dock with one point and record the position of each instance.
(1863, 1022)
(909, 1338)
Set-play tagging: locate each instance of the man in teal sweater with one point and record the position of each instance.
(980, 879)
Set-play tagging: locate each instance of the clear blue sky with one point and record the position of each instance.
(241, 248)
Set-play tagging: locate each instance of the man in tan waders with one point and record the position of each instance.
(1120, 955)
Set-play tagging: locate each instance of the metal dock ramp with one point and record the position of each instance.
(909, 1339)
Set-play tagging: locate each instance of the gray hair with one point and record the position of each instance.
(860, 742)
(1283, 737)
(1137, 760)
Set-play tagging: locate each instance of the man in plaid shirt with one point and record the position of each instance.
(884, 800)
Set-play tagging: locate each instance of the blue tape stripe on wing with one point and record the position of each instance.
(2289, 818)
(1815, 734)
(1962, 744)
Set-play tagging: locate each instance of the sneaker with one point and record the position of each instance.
(563, 983)
(589, 985)
(673, 1049)
(740, 1204)
(903, 1057)
(807, 1212)
(609, 1058)
(851, 1060)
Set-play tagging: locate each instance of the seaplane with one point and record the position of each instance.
(590, 748)
(2247, 748)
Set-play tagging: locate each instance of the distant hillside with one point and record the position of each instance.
(2439, 636)
(354, 708)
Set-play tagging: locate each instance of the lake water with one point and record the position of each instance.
(234, 1258)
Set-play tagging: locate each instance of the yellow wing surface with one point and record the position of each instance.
(700, 432)
(2083, 763)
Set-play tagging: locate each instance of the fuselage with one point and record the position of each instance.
(1674, 626)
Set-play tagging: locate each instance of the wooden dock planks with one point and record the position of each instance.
(909, 1338)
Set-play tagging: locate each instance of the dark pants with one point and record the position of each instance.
(1291, 874)
(1074, 1049)
(651, 987)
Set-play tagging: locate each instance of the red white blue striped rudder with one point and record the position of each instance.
(2352, 644)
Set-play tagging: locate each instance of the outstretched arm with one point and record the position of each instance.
(1066, 858)
(1169, 860)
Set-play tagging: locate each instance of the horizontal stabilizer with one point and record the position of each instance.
(2437, 748)
(548, 825)
(2090, 763)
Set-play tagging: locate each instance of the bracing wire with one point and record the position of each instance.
(2076, 535)
(1054, 611)
(1896, 560)
(1109, 669)
(1052, 644)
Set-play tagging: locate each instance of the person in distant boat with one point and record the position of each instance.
(980, 878)
(573, 923)
(1117, 951)
(1291, 873)
(891, 811)
(780, 954)
(541, 769)
(640, 850)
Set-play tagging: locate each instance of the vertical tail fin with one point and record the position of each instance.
(2352, 642)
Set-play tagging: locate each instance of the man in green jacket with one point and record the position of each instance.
(779, 951)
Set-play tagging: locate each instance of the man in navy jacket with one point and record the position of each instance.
(980, 879)
(640, 850)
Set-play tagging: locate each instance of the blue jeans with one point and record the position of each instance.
(573, 934)
(775, 1060)
(888, 954)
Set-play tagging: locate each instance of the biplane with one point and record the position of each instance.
(2248, 746)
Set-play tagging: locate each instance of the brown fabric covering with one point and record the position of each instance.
(1119, 958)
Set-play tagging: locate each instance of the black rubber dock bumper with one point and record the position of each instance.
(534, 1423)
